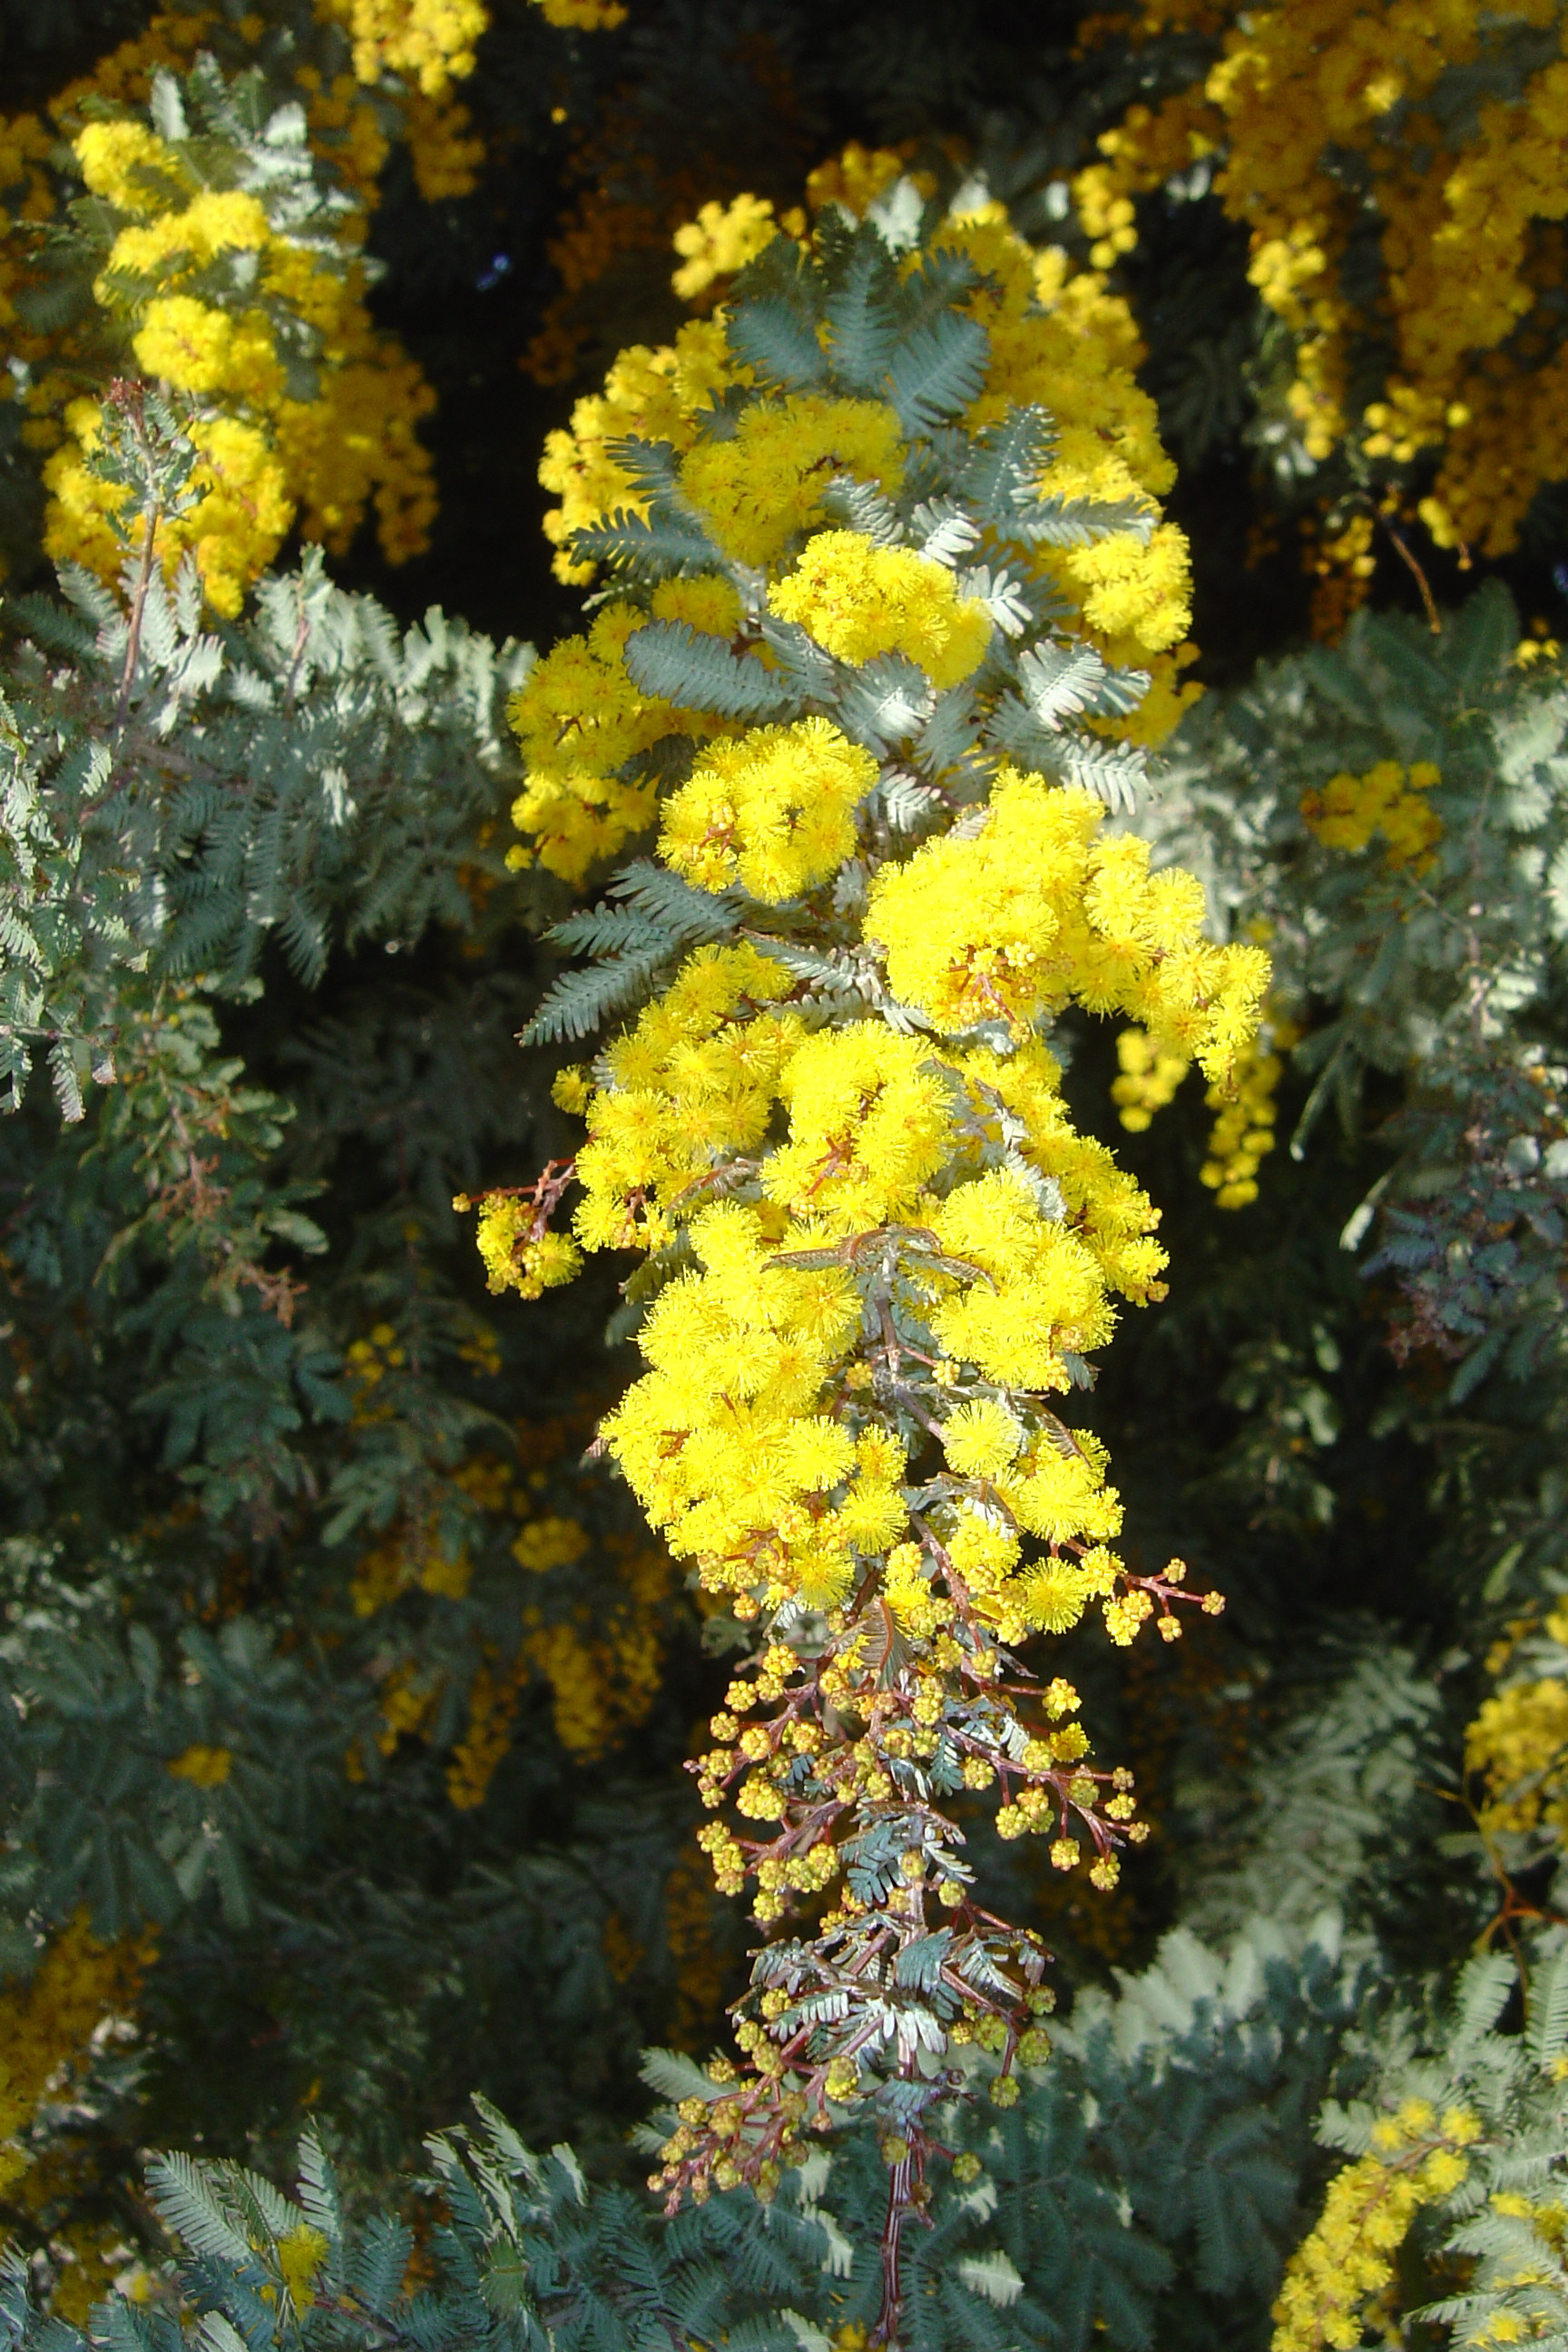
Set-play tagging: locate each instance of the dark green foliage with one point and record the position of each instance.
(197, 1463)
(1170, 2132)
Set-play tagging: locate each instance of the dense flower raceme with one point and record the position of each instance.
(845, 681)
(307, 411)
(1056, 340)
(224, 261)
(1417, 2158)
(1403, 173)
(245, 301)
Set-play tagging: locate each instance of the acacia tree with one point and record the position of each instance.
(353, 1711)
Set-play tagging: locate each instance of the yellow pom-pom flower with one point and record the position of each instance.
(773, 811)
(859, 600)
(719, 241)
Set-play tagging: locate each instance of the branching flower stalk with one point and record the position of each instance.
(884, 555)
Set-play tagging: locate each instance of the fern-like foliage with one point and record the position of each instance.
(657, 915)
(1164, 2141)
(177, 799)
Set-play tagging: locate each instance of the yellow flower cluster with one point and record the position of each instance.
(1389, 800)
(350, 123)
(300, 2255)
(729, 1440)
(1536, 2263)
(1518, 1744)
(515, 1256)
(1056, 340)
(856, 177)
(1319, 113)
(352, 120)
(1041, 908)
(492, 1704)
(268, 462)
(754, 491)
(1062, 342)
(1349, 2257)
(431, 42)
(583, 15)
(601, 1658)
(858, 601)
(443, 147)
(1342, 559)
(202, 1767)
(425, 1549)
(1148, 1077)
(719, 241)
(549, 1543)
(47, 2025)
(773, 811)
(265, 456)
(82, 1994)
(1243, 1134)
(878, 1250)
(580, 721)
(687, 1086)
(604, 1668)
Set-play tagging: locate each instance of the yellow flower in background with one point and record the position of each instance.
(1519, 1744)
(549, 1542)
(1326, 137)
(1388, 800)
(430, 41)
(327, 458)
(202, 1767)
(1243, 1134)
(1149, 1077)
(48, 2025)
(854, 179)
(583, 15)
(721, 240)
